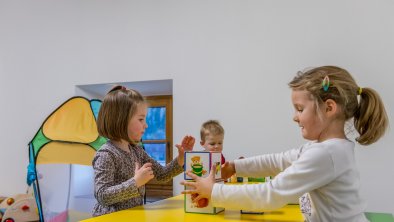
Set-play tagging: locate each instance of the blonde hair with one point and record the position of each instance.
(211, 127)
(118, 107)
(368, 112)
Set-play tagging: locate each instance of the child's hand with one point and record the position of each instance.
(187, 145)
(228, 169)
(202, 186)
(144, 174)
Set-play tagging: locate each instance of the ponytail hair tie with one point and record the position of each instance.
(326, 83)
(360, 90)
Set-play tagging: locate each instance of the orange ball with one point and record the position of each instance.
(10, 201)
(202, 203)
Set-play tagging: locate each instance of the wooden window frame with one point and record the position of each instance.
(154, 188)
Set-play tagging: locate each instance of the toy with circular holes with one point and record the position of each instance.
(19, 208)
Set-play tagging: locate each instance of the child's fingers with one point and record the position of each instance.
(213, 172)
(146, 165)
(189, 192)
(192, 175)
(149, 171)
(190, 140)
(189, 184)
(137, 166)
(186, 144)
(226, 170)
(190, 143)
(184, 140)
(187, 138)
(196, 199)
(179, 147)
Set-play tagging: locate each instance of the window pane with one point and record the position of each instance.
(157, 151)
(156, 120)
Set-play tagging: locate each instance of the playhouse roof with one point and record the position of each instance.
(69, 134)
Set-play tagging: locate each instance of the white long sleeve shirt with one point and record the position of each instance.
(323, 176)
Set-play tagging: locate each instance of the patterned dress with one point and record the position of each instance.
(115, 188)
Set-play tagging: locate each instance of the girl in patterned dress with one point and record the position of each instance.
(121, 166)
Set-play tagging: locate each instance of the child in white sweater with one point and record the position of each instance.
(322, 173)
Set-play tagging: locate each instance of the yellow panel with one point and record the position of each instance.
(73, 121)
(58, 152)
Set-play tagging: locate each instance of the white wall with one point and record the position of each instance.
(229, 60)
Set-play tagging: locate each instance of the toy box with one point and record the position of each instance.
(200, 162)
(19, 208)
(203, 206)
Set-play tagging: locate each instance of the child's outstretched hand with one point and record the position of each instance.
(202, 186)
(228, 169)
(186, 145)
(144, 174)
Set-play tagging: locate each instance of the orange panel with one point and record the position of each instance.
(73, 121)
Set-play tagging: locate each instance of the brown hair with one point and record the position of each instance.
(119, 105)
(211, 127)
(370, 118)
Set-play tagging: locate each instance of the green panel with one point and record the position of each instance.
(379, 217)
(38, 141)
(98, 142)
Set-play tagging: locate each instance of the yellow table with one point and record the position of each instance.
(171, 209)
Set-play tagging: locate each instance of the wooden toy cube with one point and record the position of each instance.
(200, 162)
(203, 206)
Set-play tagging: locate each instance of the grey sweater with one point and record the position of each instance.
(115, 188)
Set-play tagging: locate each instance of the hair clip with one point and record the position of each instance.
(326, 83)
(360, 90)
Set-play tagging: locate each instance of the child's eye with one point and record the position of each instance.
(299, 109)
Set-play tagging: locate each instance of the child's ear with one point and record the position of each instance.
(331, 107)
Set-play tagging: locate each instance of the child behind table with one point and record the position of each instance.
(212, 136)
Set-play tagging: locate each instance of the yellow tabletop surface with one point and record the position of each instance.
(172, 210)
